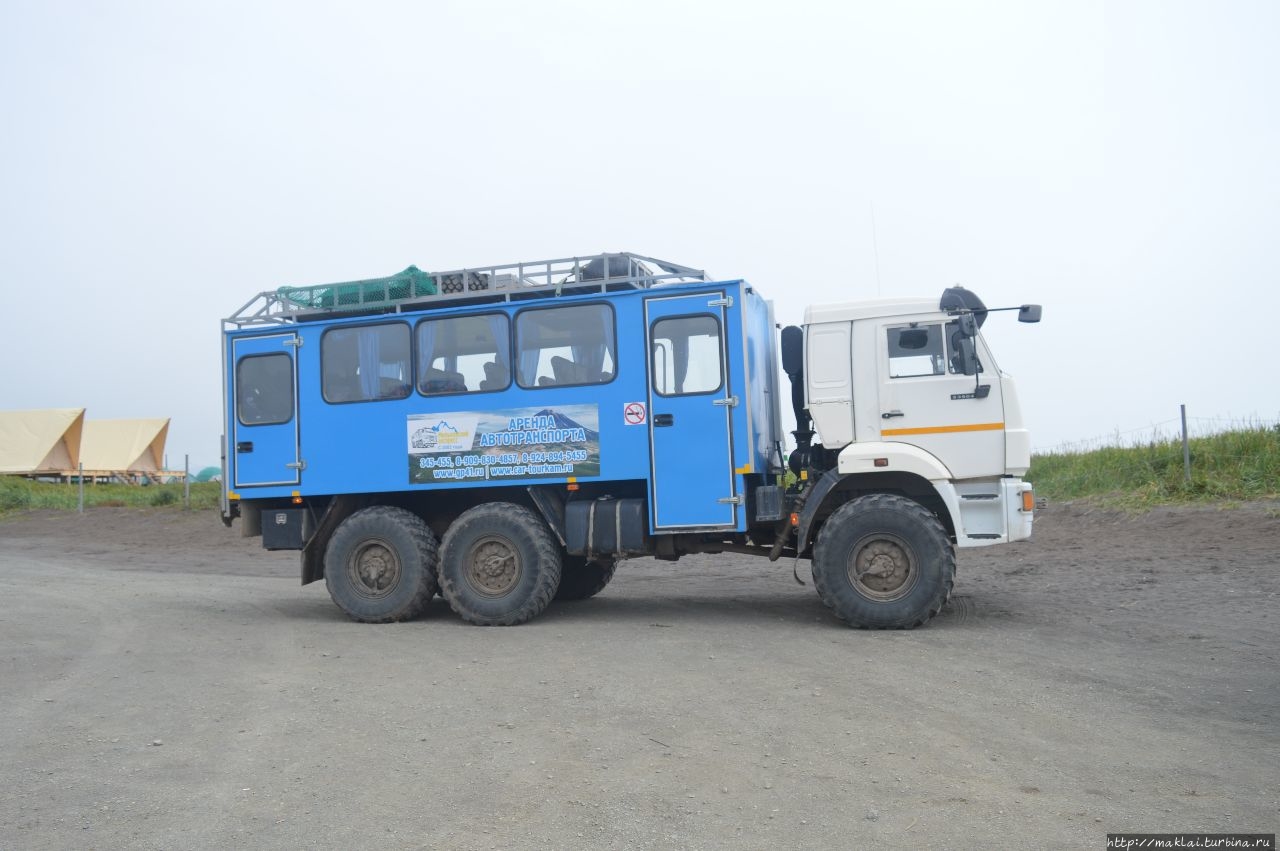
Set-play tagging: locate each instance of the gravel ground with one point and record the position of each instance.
(167, 684)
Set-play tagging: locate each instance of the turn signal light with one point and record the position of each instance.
(1028, 500)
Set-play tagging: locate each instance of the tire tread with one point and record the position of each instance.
(927, 523)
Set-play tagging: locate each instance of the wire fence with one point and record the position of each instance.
(1162, 432)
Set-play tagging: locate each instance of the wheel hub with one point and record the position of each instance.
(494, 566)
(882, 568)
(374, 569)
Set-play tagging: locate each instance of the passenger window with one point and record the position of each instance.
(264, 389)
(916, 350)
(562, 346)
(685, 356)
(464, 354)
(365, 363)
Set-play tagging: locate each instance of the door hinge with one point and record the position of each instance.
(727, 301)
(731, 402)
(296, 342)
(730, 500)
(298, 465)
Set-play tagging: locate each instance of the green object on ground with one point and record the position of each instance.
(208, 473)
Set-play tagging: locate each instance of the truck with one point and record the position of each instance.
(505, 436)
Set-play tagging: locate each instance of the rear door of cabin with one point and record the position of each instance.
(264, 393)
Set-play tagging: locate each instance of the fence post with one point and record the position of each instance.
(1186, 448)
(80, 505)
(186, 481)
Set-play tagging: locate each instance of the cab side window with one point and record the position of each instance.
(916, 350)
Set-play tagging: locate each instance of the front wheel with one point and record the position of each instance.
(499, 565)
(883, 562)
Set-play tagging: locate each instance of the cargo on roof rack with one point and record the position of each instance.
(422, 290)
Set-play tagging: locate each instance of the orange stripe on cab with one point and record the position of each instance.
(893, 432)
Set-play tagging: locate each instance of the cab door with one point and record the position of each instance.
(264, 397)
(690, 413)
(927, 400)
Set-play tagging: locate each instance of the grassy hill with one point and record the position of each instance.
(1231, 466)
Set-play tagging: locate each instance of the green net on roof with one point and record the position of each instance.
(411, 283)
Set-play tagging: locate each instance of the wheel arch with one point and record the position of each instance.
(834, 489)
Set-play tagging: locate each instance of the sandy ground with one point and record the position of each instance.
(167, 684)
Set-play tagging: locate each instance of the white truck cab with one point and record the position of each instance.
(903, 414)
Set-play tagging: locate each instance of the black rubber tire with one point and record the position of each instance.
(883, 532)
(380, 565)
(499, 565)
(581, 579)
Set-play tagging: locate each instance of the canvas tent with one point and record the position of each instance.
(33, 443)
(123, 448)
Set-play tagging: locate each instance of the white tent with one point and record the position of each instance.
(36, 442)
(125, 448)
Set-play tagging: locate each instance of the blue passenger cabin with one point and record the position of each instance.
(616, 376)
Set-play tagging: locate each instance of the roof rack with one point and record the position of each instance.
(417, 290)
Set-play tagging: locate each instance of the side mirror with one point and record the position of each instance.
(968, 326)
(967, 353)
(1029, 313)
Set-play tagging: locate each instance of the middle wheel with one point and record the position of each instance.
(499, 564)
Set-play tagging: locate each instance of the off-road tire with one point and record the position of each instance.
(499, 565)
(380, 565)
(883, 562)
(581, 579)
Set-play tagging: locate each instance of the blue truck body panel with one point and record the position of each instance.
(698, 434)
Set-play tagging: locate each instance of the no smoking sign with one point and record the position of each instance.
(633, 413)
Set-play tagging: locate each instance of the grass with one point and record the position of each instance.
(19, 494)
(1232, 466)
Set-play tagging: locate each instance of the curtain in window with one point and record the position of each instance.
(528, 361)
(591, 356)
(426, 349)
(680, 355)
(498, 328)
(370, 348)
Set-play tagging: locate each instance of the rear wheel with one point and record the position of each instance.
(499, 565)
(883, 562)
(582, 579)
(380, 565)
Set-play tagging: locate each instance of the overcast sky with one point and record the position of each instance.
(160, 163)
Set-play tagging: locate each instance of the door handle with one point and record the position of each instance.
(888, 415)
(244, 446)
(660, 420)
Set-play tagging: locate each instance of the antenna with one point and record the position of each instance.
(875, 244)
